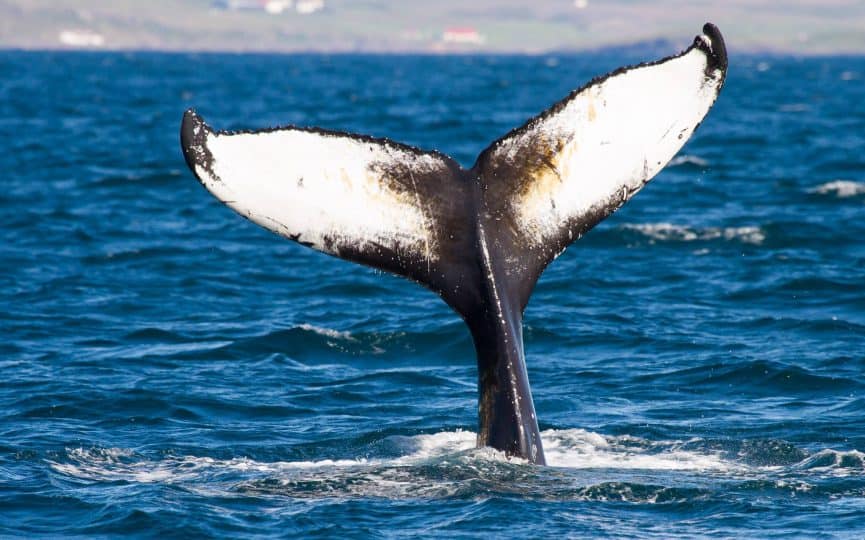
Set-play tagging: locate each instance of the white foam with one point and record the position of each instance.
(598, 466)
(112, 464)
(680, 233)
(840, 188)
(326, 332)
(572, 449)
(580, 449)
(425, 447)
(687, 159)
(108, 465)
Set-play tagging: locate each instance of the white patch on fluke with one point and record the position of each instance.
(323, 189)
(610, 139)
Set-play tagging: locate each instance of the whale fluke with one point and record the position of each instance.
(480, 237)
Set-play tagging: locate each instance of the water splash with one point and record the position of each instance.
(583, 465)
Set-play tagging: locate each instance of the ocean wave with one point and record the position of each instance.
(842, 189)
(765, 377)
(835, 462)
(311, 341)
(669, 232)
(794, 107)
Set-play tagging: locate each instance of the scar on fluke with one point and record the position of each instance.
(478, 237)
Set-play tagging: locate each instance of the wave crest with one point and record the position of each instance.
(835, 462)
(843, 189)
(687, 159)
(669, 232)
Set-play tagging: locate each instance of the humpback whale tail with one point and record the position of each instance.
(479, 237)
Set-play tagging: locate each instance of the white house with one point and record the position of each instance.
(305, 7)
(463, 36)
(80, 38)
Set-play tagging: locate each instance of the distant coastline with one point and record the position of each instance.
(810, 28)
(635, 50)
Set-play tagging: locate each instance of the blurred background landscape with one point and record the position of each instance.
(806, 27)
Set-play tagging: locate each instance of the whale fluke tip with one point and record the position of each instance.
(193, 140)
(712, 43)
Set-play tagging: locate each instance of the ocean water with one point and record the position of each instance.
(168, 369)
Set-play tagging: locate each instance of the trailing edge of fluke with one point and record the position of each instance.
(480, 237)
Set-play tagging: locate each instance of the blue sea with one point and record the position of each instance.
(168, 369)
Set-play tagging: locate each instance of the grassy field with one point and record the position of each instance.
(804, 27)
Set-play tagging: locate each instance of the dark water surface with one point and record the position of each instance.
(169, 369)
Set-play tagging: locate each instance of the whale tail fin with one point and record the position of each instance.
(413, 212)
(480, 237)
(371, 201)
(551, 180)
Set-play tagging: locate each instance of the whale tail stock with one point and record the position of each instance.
(479, 237)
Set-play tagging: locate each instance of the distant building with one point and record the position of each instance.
(463, 36)
(274, 7)
(305, 7)
(80, 39)
(237, 5)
